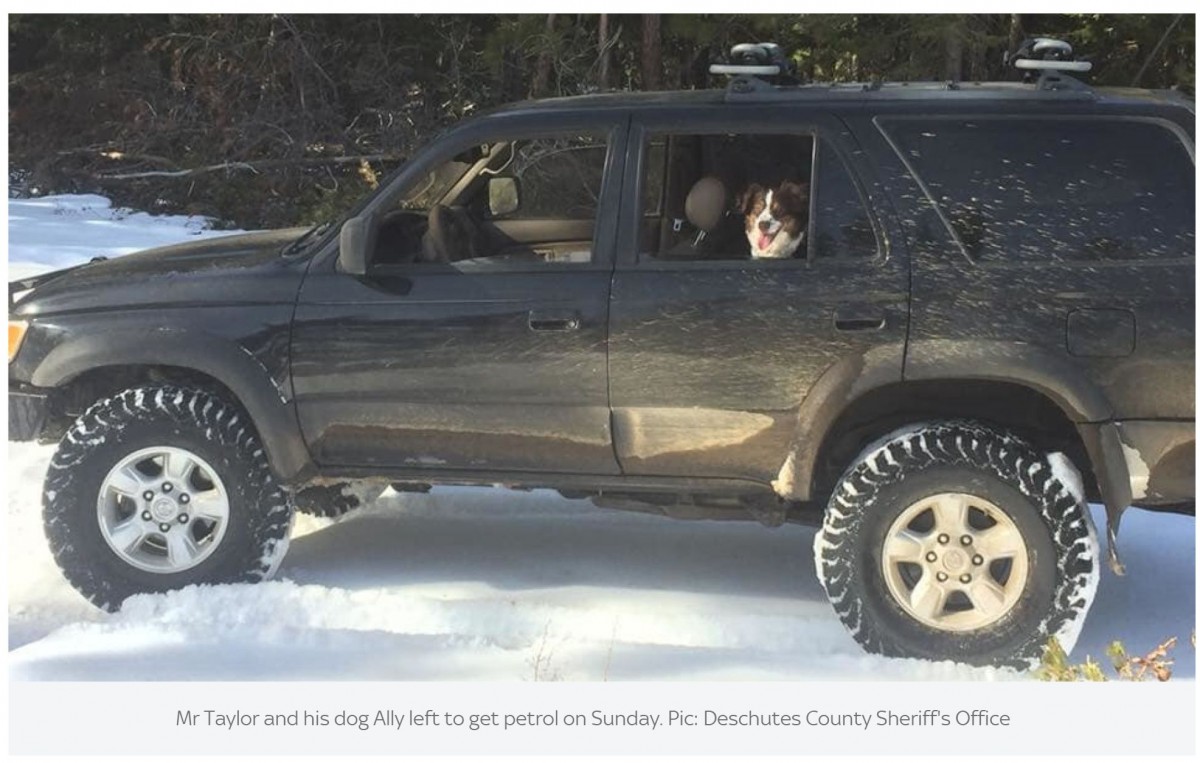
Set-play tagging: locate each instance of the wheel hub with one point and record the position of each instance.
(162, 509)
(955, 562)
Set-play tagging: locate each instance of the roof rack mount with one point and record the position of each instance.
(1050, 57)
(755, 67)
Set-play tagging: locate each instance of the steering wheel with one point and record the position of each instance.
(452, 235)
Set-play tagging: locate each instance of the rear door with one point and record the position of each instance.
(712, 354)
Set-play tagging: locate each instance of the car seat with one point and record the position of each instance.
(707, 211)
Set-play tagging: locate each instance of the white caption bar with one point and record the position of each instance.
(616, 718)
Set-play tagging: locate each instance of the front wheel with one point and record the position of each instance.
(958, 541)
(158, 488)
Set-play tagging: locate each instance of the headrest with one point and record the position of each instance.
(706, 203)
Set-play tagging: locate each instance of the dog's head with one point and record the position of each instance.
(776, 219)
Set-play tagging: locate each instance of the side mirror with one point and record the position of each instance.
(504, 196)
(353, 246)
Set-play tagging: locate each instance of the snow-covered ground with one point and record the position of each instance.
(54, 232)
(489, 584)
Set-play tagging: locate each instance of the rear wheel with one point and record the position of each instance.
(957, 541)
(158, 488)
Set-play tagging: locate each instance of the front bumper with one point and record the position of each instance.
(27, 412)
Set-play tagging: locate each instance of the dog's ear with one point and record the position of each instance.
(746, 200)
(794, 189)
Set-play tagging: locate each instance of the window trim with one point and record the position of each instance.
(881, 121)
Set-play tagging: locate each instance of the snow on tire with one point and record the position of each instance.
(954, 540)
(160, 487)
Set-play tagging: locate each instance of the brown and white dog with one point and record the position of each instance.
(776, 219)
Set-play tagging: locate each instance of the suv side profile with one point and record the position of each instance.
(935, 319)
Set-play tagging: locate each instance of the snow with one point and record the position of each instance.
(1065, 472)
(1139, 472)
(486, 584)
(53, 232)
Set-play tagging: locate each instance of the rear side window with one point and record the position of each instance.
(1047, 190)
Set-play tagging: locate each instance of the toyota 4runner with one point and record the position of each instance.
(936, 319)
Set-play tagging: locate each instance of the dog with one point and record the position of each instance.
(776, 219)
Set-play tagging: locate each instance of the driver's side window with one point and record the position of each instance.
(512, 202)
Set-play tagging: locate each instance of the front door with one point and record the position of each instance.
(477, 341)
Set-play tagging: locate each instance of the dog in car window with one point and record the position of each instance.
(776, 219)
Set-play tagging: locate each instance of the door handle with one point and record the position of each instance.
(554, 320)
(859, 318)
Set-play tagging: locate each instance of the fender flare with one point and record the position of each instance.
(268, 401)
(833, 393)
(1055, 376)
(1029, 365)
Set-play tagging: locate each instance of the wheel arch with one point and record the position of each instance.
(75, 368)
(1005, 404)
(1023, 387)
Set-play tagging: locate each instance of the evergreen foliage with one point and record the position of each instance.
(273, 120)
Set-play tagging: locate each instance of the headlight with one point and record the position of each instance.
(16, 333)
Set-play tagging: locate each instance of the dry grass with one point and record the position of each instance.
(1155, 663)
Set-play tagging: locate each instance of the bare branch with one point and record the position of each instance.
(252, 166)
(1154, 53)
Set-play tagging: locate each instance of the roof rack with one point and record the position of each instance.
(756, 67)
(761, 72)
(1049, 58)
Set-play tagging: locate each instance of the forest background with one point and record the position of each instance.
(262, 121)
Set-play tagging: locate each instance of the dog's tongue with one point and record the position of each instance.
(765, 240)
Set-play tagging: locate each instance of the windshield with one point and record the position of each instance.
(431, 188)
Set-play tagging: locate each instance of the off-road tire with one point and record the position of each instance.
(260, 512)
(970, 458)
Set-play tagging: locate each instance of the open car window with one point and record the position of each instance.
(750, 197)
(509, 204)
(556, 178)
(726, 196)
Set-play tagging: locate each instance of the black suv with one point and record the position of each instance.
(934, 318)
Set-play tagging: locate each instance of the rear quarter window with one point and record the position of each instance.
(1056, 190)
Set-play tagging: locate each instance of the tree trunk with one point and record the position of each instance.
(602, 47)
(545, 61)
(652, 65)
(955, 32)
(1016, 31)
